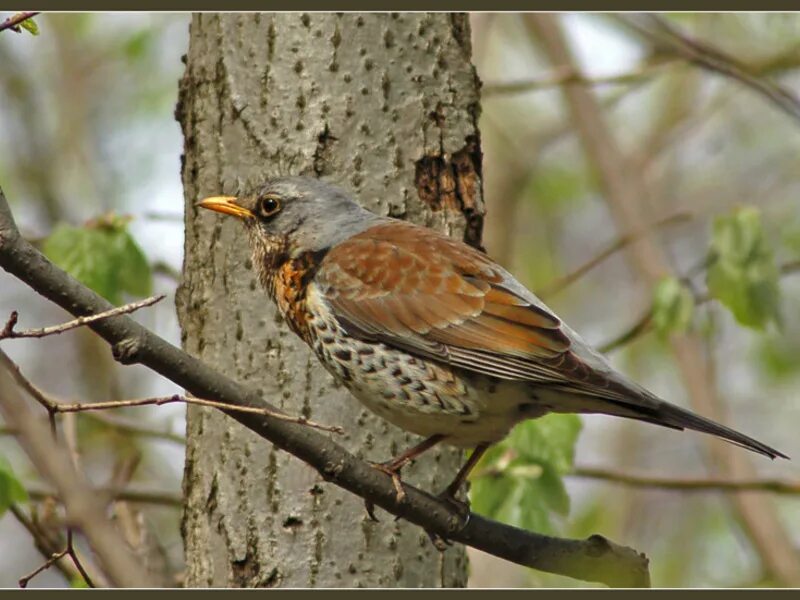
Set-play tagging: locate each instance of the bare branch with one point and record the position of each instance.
(561, 283)
(132, 427)
(667, 36)
(566, 75)
(8, 330)
(592, 559)
(23, 581)
(776, 486)
(109, 494)
(16, 20)
(43, 543)
(158, 401)
(84, 510)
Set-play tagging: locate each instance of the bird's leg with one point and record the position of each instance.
(449, 495)
(451, 492)
(393, 467)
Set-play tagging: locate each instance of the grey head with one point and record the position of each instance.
(289, 216)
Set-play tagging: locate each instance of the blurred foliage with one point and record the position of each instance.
(704, 145)
(11, 490)
(519, 480)
(673, 306)
(103, 256)
(743, 274)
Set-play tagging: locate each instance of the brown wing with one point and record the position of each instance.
(412, 288)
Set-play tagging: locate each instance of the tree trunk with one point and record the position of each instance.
(387, 106)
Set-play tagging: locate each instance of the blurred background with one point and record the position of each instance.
(87, 131)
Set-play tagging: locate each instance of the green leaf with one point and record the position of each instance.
(743, 274)
(11, 490)
(522, 483)
(548, 440)
(103, 256)
(673, 306)
(30, 26)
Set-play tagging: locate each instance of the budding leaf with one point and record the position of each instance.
(30, 26)
(673, 306)
(11, 490)
(743, 274)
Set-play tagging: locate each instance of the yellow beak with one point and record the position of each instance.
(226, 205)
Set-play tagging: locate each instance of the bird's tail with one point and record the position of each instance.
(657, 411)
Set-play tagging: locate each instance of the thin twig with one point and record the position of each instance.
(8, 330)
(15, 21)
(561, 76)
(43, 542)
(83, 508)
(776, 486)
(23, 581)
(159, 400)
(70, 549)
(54, 406)
(562, 282)
(667, 36)
(135, 495)
(129, 426)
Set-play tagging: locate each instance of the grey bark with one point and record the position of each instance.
(387, 106)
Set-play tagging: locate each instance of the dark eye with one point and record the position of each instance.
(268, 206)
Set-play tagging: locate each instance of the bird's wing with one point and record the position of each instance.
(412, 288)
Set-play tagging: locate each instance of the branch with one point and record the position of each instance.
(776, 486)
(15, 21)
(566, 75)
(84, 510)
(593, 559)
(562, 282)
(8, 330)
(109, 494)
(44, 544)
(134, 428)
(668, 37)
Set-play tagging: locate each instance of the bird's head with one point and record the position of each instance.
(289, 216)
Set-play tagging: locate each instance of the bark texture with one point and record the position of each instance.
(387, 106)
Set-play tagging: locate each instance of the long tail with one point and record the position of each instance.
(668, 415)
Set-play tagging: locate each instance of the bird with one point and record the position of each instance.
(426, 331)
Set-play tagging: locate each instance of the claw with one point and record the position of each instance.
(370, 507)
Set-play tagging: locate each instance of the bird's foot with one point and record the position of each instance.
(392, 469)
(460, 506)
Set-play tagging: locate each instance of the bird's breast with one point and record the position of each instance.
(288, 284)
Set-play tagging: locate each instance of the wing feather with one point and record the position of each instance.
(415, 289)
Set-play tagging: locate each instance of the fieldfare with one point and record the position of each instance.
(426, 331)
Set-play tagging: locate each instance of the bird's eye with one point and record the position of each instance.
(268, 206)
